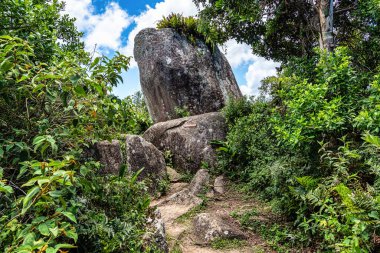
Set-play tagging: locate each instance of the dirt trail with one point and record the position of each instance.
(178, 217)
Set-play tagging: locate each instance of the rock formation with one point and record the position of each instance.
(188, 139)
(143, 155)
(175, 73)
(110, 156)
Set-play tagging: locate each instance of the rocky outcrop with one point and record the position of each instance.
(144, 155)
(188, 139)
(110, 156)
(175, 73)
(208, 227)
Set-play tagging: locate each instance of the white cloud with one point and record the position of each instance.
(103, 29)
(259, 68)
(151, 16)
(257, 71)
(238, 54)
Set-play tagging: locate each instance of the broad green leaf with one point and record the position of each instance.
(70, 216)
(28, 198)
(79, 90)
(1, 152)
(56, 194)
(54, 231)
(72, 234)
(6, 188)
(95, 62)
(74, 79)
(44, 229)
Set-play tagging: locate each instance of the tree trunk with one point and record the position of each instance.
(325, 24)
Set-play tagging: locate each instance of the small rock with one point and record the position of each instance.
(174, 176)
(208, 227)
(143, 154)
(220, 184)
(200, 182)
(156, 232)
(110, 156)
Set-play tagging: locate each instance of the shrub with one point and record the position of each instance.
(312, 149)
(190, 27)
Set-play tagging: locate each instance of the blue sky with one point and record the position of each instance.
(111, 25)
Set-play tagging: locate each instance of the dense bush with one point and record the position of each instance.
(56, 103)
(312, 150)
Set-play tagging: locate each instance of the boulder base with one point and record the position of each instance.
(176, 73)
(144, 155)
(188, 139)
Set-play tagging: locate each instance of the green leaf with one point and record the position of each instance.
(44, 229)
(70, 216)
(74, 79)
(72, 234)
(56, 194)
(64, 246)
(51, 250)
(374, 215)
(6, 37)
(28, 198)
(1, 152)
(6, 188)
(54, 231)
(6, 65)
(79, 90)
(95, 62)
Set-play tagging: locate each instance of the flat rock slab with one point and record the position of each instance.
(176, 73)
(208, 227)
(184, 200)
(189, 139)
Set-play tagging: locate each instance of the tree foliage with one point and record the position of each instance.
(280, 30)
(56, 103)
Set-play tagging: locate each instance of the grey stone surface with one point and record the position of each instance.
(174, 176)
(188, 139)
(208, 227)
(188, 196)
(142, 154)
(156, 233)
(177, 73)
(110, 156)
(200, 182)
(220, 185)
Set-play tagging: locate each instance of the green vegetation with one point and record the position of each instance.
(228, 244)
(189, 27)
(313, 150)
(55, 105)
(310, 143)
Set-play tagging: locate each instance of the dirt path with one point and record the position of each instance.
(179, 215)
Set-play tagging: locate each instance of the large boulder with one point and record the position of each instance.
(144, 155)
(188, 139)
(176, 73)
